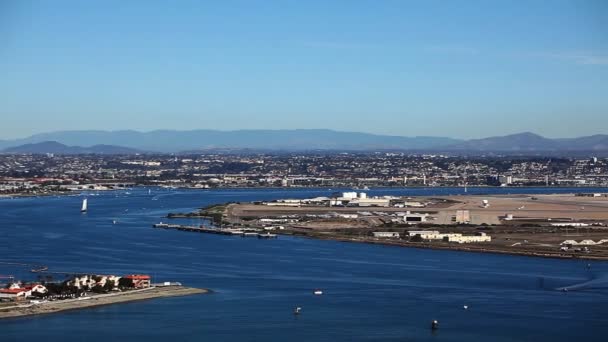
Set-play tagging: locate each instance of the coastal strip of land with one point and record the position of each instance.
(97, 300)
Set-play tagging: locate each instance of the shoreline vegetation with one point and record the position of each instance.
(48, 307)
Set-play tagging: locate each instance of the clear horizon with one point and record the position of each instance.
(465, 70)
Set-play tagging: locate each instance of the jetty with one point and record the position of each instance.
(245, 232)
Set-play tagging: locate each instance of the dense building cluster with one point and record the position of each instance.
(40, 173)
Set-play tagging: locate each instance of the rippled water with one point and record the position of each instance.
(371, 293)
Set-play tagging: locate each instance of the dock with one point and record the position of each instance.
(220, 231)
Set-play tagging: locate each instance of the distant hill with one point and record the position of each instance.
(287, 140)
(515, 142)
(196, 141)
(58, 148)
(530, 142)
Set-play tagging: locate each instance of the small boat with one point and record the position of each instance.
(84, 206)
(297, 310)
(317, 292)
(114, 222)
(266, 236)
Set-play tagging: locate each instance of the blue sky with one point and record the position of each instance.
(442, 68)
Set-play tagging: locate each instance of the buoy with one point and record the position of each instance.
(434, 325)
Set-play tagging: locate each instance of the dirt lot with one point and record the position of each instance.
(522, 207)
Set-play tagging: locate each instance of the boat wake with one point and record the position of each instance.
(597, 283)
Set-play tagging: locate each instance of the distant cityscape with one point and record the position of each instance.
(49, 173)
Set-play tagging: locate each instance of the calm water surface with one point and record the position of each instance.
(371, 293)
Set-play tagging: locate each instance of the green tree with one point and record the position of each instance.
(98, 289)
(108, 286)
(416, 238)
(125, 283)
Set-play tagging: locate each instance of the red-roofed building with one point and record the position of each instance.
(139, 280)
(16, 292)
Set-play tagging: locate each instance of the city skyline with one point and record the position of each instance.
(465, 70)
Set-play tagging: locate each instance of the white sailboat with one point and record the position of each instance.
(84, 206)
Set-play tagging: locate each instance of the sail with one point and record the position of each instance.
(84, 205)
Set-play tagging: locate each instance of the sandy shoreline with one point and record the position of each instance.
(99, 300)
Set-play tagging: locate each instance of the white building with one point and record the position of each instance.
(411, 233)
(505, 179)
(569, 224)
(463, 216)
(369, 202)
(411, 218)
(450, 237)
(458, 238)
(583, 242)
(349, 195)
(386, 234)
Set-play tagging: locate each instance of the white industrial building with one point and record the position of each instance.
(369, 202)
(413, 218)
(450, 237)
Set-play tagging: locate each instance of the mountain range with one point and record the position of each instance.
(58, 148)
(167, 141)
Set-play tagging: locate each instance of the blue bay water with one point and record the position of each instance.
(371, 292)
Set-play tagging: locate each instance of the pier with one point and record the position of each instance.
(220, 231)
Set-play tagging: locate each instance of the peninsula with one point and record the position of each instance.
(84, 291)
(561, 226)
(96, 300)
